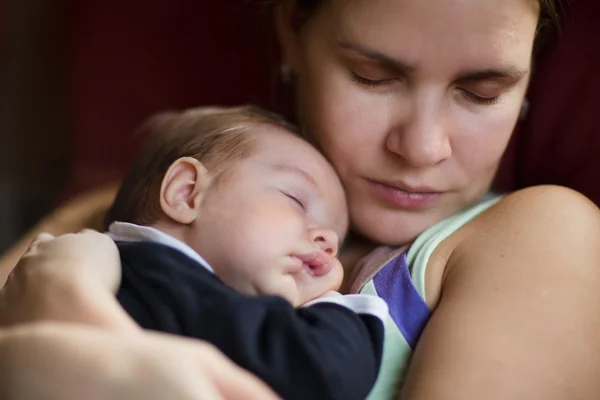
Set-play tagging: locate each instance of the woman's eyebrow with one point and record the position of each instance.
(509, 73)
(387, 61)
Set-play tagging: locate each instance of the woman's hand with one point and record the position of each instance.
(84, 211)
(69, 362)
(86, 257)
(69, 278)
(72, 278)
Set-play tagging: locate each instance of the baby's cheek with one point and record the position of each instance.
(250, 242)
(337, 276)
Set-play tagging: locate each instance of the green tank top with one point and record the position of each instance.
(401, 283)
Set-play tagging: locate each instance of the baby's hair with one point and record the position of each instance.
(216, 136)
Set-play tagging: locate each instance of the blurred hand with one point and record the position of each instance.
(73, 362)
(72, 278)
(84, 256)
(84, 211)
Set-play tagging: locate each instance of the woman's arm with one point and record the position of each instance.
(518, 316)
(84, 211)
(72, 362)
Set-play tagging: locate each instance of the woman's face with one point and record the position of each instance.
(413, 101)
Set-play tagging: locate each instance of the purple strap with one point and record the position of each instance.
(407, 308)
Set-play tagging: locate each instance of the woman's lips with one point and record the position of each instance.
(400, 195)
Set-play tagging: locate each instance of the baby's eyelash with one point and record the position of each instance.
(295, 199)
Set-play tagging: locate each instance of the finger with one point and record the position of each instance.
(241, 385)
(189, 383)
(40, 238)
(43, 237)
(203, 388)
(236, 383)
(233, 382)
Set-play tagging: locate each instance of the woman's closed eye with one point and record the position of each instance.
(486, 101)
(372, 82)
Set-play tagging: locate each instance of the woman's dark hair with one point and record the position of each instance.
(548, 14)
(548, 10)
(548, 20)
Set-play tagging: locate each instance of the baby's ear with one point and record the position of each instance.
(183, 189)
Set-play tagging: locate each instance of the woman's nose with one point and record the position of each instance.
(326, 239)
(421, 136)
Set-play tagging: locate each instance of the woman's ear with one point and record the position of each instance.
(288, 24)
(183, 188)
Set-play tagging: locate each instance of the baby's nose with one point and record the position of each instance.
(326, 239)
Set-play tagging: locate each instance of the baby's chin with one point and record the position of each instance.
(296, 301)
(283, 289)
(294, 297)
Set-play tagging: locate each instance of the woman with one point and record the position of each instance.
(414, 102)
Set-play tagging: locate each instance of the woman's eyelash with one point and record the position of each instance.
(486, 101)
(369, 82)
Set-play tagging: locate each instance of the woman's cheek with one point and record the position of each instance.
(478, 142)
(491, 129)
(350, 117)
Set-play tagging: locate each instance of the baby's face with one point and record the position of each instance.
(273, 225)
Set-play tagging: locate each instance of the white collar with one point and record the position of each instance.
(128, 232)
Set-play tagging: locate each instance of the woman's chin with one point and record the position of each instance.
(391, 227)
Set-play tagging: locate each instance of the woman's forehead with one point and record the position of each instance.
(430, 12)
(418, 32)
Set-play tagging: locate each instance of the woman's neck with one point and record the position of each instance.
(355, 249)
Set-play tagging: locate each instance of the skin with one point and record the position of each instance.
(504, 288)
(69, 362)
(514, 293)
(282, 202)
(88, 258)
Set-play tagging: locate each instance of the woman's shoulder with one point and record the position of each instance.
(525, 220)
(428, 255)
(533, 216)
(538, 220)
(520, 293)
(533, 224)
(553, 199)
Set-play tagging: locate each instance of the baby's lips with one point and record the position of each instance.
(319, 262)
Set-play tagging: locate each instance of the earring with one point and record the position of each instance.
(286, 74)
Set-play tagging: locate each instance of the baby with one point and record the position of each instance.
(228, 225)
